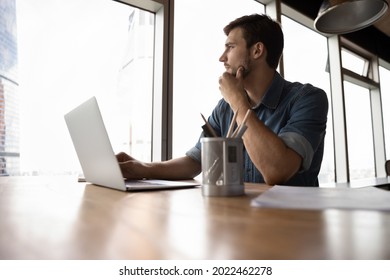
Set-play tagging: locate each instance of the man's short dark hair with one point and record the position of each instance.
(261, 28)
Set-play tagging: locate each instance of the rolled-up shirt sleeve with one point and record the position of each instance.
(194, 153)
(300, 145)
(305, 129)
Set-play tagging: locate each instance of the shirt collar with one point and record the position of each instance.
(274, 92)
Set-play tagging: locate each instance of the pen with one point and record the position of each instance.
(209, 127)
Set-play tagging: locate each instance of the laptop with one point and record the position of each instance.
(96, 156)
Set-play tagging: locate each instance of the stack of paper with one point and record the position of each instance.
(368, 198)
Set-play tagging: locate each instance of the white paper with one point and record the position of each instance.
(313, 198)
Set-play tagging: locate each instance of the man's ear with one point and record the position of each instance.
(258, 50)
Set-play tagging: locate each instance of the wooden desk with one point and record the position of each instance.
(57, 218)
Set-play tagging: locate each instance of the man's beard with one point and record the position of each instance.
(246, 64)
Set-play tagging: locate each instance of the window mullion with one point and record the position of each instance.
(338, 110)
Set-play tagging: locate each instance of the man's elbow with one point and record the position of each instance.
(273, 180)
(277, 178)
(193, 169)
(281, 173)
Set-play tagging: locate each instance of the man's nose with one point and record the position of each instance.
(222, 58)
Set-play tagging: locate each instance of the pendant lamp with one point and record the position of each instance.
(344, 16)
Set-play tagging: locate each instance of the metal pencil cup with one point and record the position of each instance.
(222, 166)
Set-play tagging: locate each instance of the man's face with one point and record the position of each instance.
(236, 54)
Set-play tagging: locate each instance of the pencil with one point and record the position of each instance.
(246, 117)
(210, 128)
(241, 131)
(242, 124)
(232, 124)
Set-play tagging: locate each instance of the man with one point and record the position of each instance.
(284, 141)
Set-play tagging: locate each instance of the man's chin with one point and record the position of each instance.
(231, 71)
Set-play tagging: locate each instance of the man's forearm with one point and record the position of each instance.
(181, 168)
(275, 161)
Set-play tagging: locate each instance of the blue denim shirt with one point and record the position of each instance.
(297, 113)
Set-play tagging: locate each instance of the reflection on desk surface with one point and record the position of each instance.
(58, 218)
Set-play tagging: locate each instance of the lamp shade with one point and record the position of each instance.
(343, 16)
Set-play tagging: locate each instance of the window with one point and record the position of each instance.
(365, 144)
(354, 62)
(9, 109)
(305, 61)
(199, 43)
(359, 132)
(69, 51)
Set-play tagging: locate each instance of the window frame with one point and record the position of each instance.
(371, 79)
(337, 75)
(386, 65)
(371, 82)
